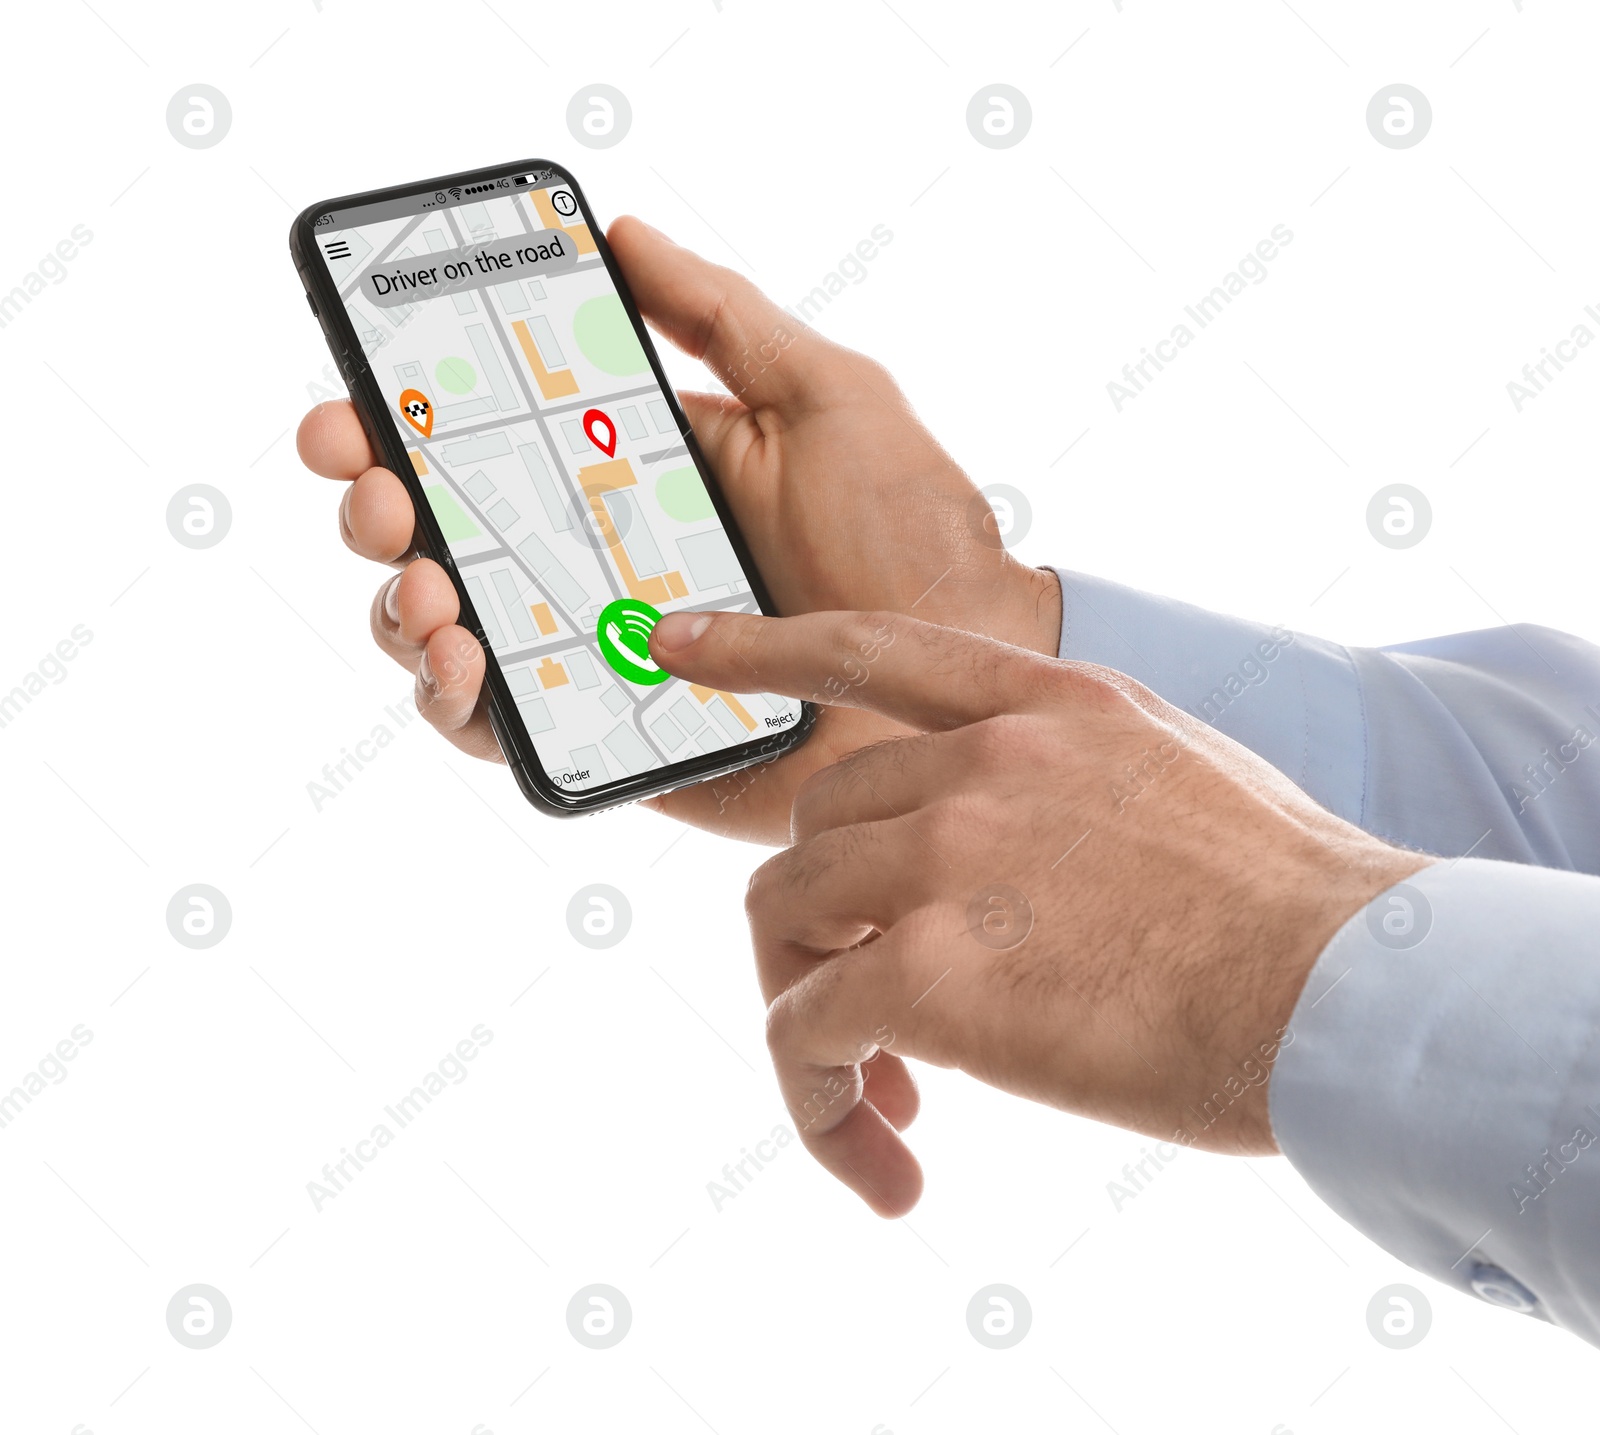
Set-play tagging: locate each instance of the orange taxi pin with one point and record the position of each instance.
(417, 411)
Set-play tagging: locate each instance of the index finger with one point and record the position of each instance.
(916, 673)
(333, 443)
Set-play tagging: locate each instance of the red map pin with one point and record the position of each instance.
(595, 419)
(417, 411)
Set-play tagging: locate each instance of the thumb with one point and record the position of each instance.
(924, 676)
(765, 357)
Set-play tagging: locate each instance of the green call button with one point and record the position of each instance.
(624, 636)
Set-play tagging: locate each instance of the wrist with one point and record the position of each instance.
(1303, 900)
(1365, 873)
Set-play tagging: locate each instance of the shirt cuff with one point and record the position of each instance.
(1440, 1086)
(1294, 700)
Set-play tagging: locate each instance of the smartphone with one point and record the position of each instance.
(500, 368)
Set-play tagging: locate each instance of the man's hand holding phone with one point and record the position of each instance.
(845, 499)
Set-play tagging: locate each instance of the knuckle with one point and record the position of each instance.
(941, 825)
(859, 637)
(761, 890)
(715, 314)
(1094, 684)
(814, 798)
(1123, 704)
(818, 786)
(875, 372)
(788, 878)
(735, 640)
(817, 801)
(865, 376)
(780, 1026)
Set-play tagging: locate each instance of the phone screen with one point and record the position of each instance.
(553, 463)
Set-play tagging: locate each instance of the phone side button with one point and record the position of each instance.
(313, 303)
(507, 748)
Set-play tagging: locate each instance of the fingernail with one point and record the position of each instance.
(678, 630)
(430, 684)
(391, 599)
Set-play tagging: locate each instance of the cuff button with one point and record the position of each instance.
(1494, 1285)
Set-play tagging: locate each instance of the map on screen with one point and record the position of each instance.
(555, 469)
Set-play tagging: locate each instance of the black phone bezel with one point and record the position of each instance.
(515, 742)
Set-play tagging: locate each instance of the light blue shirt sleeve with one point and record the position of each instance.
(1442, 1087)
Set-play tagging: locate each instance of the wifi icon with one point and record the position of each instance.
(455, 191)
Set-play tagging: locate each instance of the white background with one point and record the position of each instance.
(369, 938)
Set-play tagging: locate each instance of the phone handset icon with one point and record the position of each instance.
(636, 645)
(623, 637)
